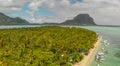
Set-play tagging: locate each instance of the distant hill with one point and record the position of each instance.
(81, 19)
(6, 20)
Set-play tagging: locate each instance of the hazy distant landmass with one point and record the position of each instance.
(6, 20)
(81, 19)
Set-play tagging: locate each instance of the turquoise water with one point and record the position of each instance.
(112, 34)
(18, 26)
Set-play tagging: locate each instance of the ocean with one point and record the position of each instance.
(112, 34)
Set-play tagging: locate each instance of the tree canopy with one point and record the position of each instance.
(45, 46)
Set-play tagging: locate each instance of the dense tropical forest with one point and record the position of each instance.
(45, 46)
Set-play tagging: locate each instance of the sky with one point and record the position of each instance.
(104, 12)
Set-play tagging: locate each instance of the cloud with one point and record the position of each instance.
(103, 11)
(11, 5)
(34, 5)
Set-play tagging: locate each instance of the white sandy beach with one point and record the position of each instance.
(87, 59)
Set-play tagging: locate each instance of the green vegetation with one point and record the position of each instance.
(44, 46)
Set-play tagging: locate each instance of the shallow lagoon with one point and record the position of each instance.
(112, 34)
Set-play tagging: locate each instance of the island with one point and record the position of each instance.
(79, 20)
(45, 46)
(6, 20)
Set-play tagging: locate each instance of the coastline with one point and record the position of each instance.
(88, 59)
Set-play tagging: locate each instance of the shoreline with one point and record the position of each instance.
(88, 59)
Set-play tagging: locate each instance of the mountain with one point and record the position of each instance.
(6, 20)
(81, 19)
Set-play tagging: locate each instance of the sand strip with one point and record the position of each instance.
(87, 59)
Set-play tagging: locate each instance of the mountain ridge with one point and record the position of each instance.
(79, 20)
(6, 20)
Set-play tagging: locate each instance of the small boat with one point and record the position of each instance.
(97, 65)
(102, 59)
(99, 57)
(108, 43)
(103, 48)
(100, 53)
(105, 41)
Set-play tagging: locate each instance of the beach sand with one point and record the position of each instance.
(87, 59)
